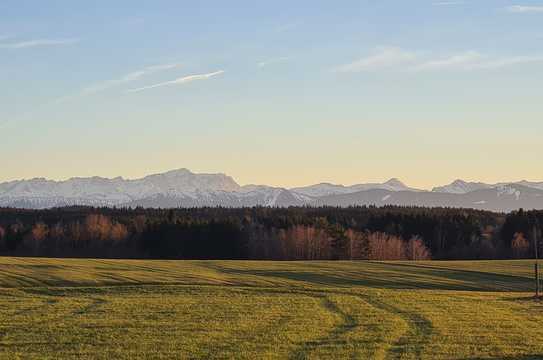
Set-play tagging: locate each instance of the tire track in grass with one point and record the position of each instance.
(419, 333)
(348, 323)
(24, 280)
(266, 329)
(45, 307)
(418, 326)
(413, 341)
(419, 329)
(44, 303)
(52, 297)
(92, 306)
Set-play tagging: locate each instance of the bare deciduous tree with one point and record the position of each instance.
(520, 246)
(38, 234)
(416, 250)
(383, 246)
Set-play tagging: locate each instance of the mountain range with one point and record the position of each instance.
(183, 188)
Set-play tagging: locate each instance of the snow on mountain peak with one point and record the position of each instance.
(116, 191)
(396, 185)
(321, 189)
(461, 187)
(394, 181)
(531, 184)
(183, 188)
(324, 189)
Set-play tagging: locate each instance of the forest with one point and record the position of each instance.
(261, 233)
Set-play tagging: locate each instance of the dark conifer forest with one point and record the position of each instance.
(260, 233)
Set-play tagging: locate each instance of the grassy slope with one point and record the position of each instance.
(221, 309)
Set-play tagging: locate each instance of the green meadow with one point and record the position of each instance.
(126, 309)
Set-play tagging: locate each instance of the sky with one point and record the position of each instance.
(280, 93)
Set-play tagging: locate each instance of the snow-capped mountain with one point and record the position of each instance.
(461, 187)
(324, 189)
(177, 188)
(531, 184)
(97, 191)
(503, 198)
(182, 188)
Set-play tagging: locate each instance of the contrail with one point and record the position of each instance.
(182, 80)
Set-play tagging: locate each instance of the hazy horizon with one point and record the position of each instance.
(316, 182)
(280, 94)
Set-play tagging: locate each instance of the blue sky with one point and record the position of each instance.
(278, 93)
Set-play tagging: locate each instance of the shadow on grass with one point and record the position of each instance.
(395, 276)
(527, 299)
(475, 280)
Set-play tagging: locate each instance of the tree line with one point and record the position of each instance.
(296, 233)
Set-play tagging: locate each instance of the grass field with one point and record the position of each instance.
(51, 308)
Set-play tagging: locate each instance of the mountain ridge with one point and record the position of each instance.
(183, 188)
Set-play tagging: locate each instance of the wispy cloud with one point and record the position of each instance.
(382, 57)
(472, 60)
(457, 61)
(509, 61)
(272, 61)
(399, 59)
(129, 77)
(179, 81)
(525, 9)
(38, 43)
